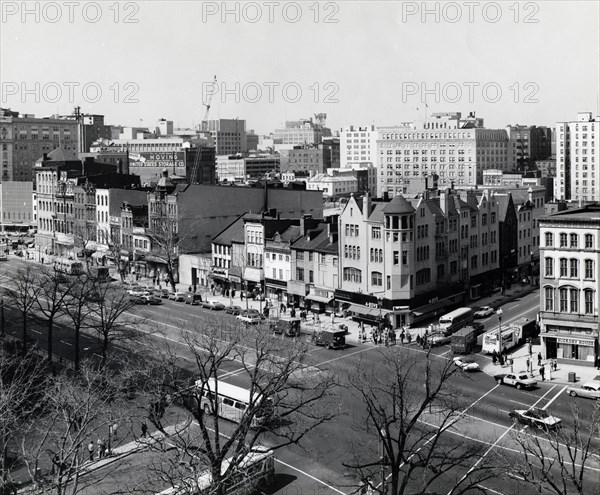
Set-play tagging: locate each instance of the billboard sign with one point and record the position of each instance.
(160, 159)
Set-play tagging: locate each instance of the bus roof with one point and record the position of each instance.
(225, 389)
(457, 312)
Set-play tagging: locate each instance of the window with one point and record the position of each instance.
(311, 277)
(589, 302)
(376, 279)
(574, 268)
(563, 267)
(396, 257)
(574, 301)
(405, 257)
(563, 300)
(549, 262)
(310, 256)
(589, 269)
(573, 240)
(549, 293)
(300, 255)
(549, 239)
(563, 240)
(376, 233)
(352, 275)
(300, 274)
(589, 241)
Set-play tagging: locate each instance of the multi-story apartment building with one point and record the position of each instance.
(228, 136)
(278, 263)
(411, 259)
(578, 159)
(16, 208)
(333, 185)
(456, 150)
(315, 267)
(231, 168)
(26, 138)
(301, 132)
(569, 285)
(316, 159)
(528, 144)
(358, 144)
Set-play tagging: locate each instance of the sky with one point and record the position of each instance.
(360, 62)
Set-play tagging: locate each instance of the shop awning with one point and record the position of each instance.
(320, 299)
(363, 310)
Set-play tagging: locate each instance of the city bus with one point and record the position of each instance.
(233, 401)
(68, 267)
(256, 471)
(455, 320)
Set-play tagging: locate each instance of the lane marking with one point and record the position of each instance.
(309, 476)
(66, 343)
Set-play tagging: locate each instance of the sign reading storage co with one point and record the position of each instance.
(164, 159)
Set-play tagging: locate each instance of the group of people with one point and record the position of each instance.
(500, 357)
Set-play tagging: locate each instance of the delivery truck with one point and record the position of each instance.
(463, 341)
(515, 334)
(332, 339)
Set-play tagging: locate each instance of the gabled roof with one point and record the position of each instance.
(234, 232)
(397, 206)
(504, 201)
(317, 239)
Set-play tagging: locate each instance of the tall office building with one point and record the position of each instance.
(358, 144)
(528, 144)
(578, 159)
(302, 132)
(228, 136)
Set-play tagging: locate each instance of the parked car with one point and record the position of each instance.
(177, 296)
(233, 310)
(484, 312)
(250, 316)
(519, 380)
(466, 364)
(589, 390)
(193, 299)
(150, 299)
(161, 293)
(137, 300)
(535, 417)
(3, 257)
(213, 305)
(138, 292)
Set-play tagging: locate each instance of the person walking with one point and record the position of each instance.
(90, 448)
(539, 358)
(101, 447)
(554, 364)
(542, 372)
(494, 356)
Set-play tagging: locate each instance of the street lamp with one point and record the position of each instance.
(499, 313)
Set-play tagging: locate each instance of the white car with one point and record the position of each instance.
(535, 417)
(177, 296)
(249, 317)
(466, 365)
(484, 312)
(590, 390)
(138, 292)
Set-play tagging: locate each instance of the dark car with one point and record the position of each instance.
(193, 299)
(137, 300)
(150, 299)
(535, 417)
(233, 310)
(162, 293)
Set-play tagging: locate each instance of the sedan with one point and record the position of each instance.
(161, 293)
(535, 417)
(138, 292)
(137, 300)
(519, 380)
(149, 299)
(213, 305)
(177, 296)
(233, 310)
(465, 364)
(484, 312)
(250, 316)
(590, 390)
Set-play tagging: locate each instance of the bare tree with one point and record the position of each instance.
(54, 287)
(275, 372)
(559, 462)
(108, 312)
(78, 308)
(76, 410)
(165, 241)
(399, 396)
(24, 297)
(22, 381)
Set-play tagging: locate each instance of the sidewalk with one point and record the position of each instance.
(560, 376)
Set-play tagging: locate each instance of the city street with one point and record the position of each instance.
(317, 467)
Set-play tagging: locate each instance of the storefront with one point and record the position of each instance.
(275, 289)
(320, 301)
(297, 291)
(581, 348)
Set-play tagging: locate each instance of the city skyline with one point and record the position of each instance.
(377, 63)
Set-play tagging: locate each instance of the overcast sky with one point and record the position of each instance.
(359, 62)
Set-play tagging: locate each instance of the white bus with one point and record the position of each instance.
(69, 267)
(456, 320)
(255, 471)
(510, 338)
(233, 401)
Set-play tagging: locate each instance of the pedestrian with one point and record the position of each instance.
(293, 313)
(90, 448)
(332, 317)
(501, 359)
(402, 336)
(282, 308)
(409, 337)
(101, 447)
(144, 429)
(504, 351)
(554, 364)
(539, 358)
(494, 356)
(266, 311)
(542, 371)
(418, 341)
(528, 363)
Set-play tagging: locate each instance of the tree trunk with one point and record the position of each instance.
(24, 336)
(77, 335)
(50, 335)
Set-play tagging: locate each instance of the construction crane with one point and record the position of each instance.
(204, 125)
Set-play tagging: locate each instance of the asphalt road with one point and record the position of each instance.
(317, 467)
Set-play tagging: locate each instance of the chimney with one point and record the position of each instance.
(444, 200)
(366, 206)
(329, 233)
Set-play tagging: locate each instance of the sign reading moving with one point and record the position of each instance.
(166, 159)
